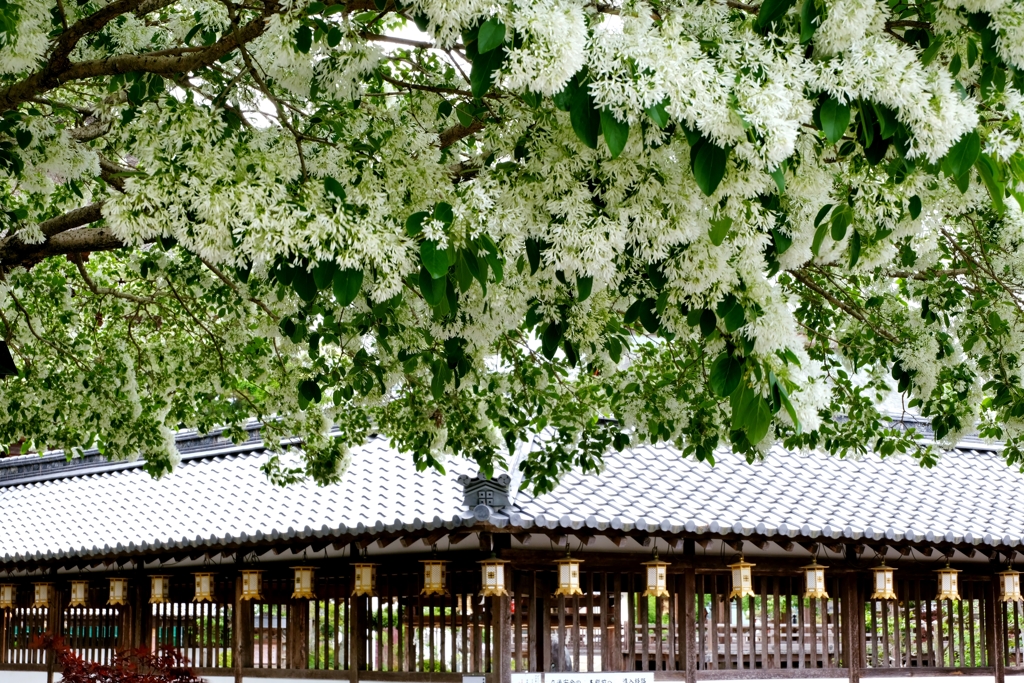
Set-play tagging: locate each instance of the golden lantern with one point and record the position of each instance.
(41, 594)
(948, 589)
(742, 584)
(492, 576)
(79, 594)
(159, 587)
(884, 585)
(8, 596)
(303, 584)
(568, 576)
(1009, 586)
(252, 584)
(365, 579)
(657, 578)
(118, 592)
(815, 577)
(204, 587)
(434, 577)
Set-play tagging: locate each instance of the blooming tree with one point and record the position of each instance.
(458, 223)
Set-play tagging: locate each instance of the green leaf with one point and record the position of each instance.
(835, 119)
(963, 154)
(444, 213)
(725, 375)
(439, 380)
(303, 39)
(550, 338)
(444, 109)
(915, 207)
(334, 37)
(614, 347)
(708, 322)
(615, 132)
(708, 162)
(303, 284)
(432, 289)
(414, 223)
(782, 241)
(347, 284)
(819, 238)
(633, 312)
(584, 285)
(821, 214)
(841, 220)
(585, 119)
(771, 11)
(719, 230)
(759, 420)
(463, 275)
(928, 56)
(854, 248)
(434, 260)
(809, 11)
(533, 254)
(491, 35)
(332, 186)
(483, 69)
(658, 113)
(323, 274)
(24, 137)
(779, 176)
(731, 312)
(310, 390)
(989, 172)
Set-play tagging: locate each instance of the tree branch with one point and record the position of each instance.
(841, 305)
(76, 258)
(226, 280)
(458, 132)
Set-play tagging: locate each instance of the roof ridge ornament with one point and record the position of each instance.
(490, 491)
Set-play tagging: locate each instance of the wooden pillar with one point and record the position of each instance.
(298, 634)
(142, 614)
(501, 658)
(242, 655)
(689, 626)
(54, 621)
(852, 639)
(996, 631)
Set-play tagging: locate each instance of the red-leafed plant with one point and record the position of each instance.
(167, 665)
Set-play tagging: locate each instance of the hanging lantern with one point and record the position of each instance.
(434, 577)
(948, 589)
(8, 596)
(492, 576)
(204, 587)
(118, 592)
(815, 575)
(79, 594)
(1009, 586)
(657, 581)
(884, 586)
(742, 584)
(252, 584)
(365, 579)
(303, 583)
(568, 576)
(41, 594)
(159, 587)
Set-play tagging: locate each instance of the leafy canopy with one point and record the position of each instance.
(458, 223)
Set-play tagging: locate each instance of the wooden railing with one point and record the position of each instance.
(611, 627)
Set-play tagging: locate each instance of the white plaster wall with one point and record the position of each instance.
(23, 676)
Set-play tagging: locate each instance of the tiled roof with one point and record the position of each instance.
(215, 498)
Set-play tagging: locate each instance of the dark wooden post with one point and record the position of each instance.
(850, 622)
(142, 614)
(502, 653)
(244, 640)
(54, 621)
(996, 627)
(689, 629)
(298, 634)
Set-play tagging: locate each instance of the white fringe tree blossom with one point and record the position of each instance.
(459, 223)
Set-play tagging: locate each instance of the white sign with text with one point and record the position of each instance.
(601, 677)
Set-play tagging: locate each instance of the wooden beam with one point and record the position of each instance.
(689, 630)
(523, 537)
(435, 536)
(786, 546)
(458, 537)
(759, 544)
